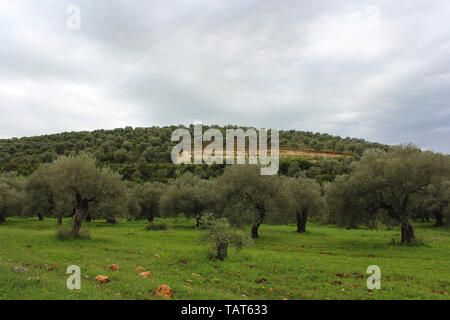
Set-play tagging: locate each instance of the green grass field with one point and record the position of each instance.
(324, 263)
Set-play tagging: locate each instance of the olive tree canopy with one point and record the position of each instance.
(390, 180)
(302, 198)
(83, 183)
(188, 194)
(244, 196)
(11, 195)
(147, 197)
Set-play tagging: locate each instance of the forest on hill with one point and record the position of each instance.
(143, 154)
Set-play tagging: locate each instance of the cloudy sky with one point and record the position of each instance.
(378, 70)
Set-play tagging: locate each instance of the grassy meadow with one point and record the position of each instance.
(324, 263)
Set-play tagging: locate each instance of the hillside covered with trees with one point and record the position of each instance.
(143, 154)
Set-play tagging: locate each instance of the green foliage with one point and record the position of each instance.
(90, 189)
(189, 195)
(221, 236)
(206, 220)
(12, 195)
(143, 154)
(388, 183)
(145, 200)
(301, 198)
(244, 196)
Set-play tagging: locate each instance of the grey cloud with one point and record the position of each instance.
(316, 66)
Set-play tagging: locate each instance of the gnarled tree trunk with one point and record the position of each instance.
(88, 218)
(407, 233)
(150, 218)
(81, 208)
(255, 230)
(40, 217)
(439, 217)
(302, 217)
(59, 223)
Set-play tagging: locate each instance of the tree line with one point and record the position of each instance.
(143, 154)
(393, 187)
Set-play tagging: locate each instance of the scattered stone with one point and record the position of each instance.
(262, 280)
(20, 269)
(114, 267)
(157, 256)
(196, 274)
(139, 268)
(163, 291)
(145, 274)
(102, 279)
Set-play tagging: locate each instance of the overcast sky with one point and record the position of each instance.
(378, 70)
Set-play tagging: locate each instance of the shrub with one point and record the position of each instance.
(221, 235)
(206, 220)
(156, 226)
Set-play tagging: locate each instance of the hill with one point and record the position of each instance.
(143, 154)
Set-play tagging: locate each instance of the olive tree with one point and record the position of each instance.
(187, 194)
(345, 207)
(437, 199)
(11, 195)
(302, 198)
(244, 196)
(79, 179)
(41, 198)
(147, 198)
(389, 180)
(221, 236)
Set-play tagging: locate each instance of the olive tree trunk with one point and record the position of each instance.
(439, 219)
(407, 233)
(255, 228)
(302, 217)
(81, 208)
